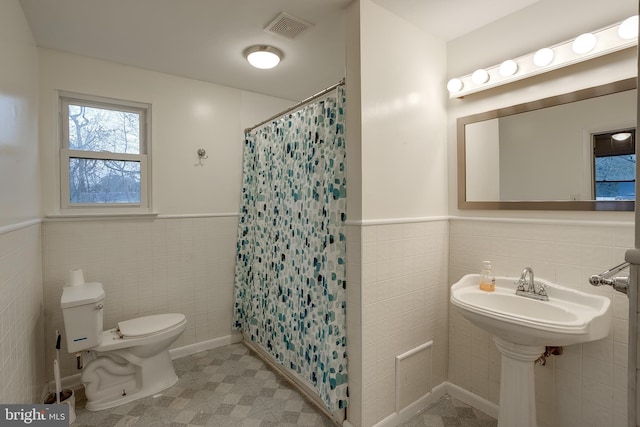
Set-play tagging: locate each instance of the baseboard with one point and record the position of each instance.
(432, 397)
(73, 381)
(419, 405)
(472, 399)
(190, 349)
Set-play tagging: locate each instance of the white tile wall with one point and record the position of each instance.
(146, 266)
(398, 279)
(586, 386)
(404, 304)
(22, 362)
(356, 353)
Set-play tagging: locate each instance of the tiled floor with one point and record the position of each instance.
(226, 386)
(230, 386)
(450, 412)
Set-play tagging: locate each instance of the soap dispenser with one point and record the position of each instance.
(487, 281)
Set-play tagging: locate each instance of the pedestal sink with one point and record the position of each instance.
(522, 327)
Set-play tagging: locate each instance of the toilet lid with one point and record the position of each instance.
(149, 325)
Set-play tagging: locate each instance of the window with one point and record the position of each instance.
(104, 153)
(614, 165)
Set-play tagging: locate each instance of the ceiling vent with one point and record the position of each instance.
(288, 26)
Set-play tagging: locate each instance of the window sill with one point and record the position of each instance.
(101, 215)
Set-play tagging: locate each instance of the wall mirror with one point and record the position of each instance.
(574, 151)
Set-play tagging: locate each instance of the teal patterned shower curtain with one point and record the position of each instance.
(290, 273)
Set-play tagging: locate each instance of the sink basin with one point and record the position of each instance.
(569, 317)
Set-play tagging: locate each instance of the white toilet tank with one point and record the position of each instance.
(82, 310)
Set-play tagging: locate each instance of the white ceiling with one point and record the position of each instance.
(204, 39)
(450, 19)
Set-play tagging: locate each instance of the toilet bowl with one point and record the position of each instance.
(126, 363)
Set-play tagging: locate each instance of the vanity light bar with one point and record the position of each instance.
(584, 47)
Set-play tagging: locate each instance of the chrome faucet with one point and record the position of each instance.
(527, 286)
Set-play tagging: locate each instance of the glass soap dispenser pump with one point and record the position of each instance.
(487, 281)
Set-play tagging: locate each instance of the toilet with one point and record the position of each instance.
(126, 363)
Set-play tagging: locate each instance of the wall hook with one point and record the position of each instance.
(202, 155)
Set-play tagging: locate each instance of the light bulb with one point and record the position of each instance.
(584, 43)
(508, 68)
(454, 85)
(263, 57)
(263, 60)
(480, 76)
(543, 57)
(628, 29)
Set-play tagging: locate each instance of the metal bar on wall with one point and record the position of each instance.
(299, 104)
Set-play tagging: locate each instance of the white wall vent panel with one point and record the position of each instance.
(288, 26)
(413, 375)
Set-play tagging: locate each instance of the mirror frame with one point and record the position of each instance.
(570, 205)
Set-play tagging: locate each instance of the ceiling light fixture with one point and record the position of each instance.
(263, 56)
(621, 136)
(587, 46)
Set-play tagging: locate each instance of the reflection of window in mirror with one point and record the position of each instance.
(614, 165)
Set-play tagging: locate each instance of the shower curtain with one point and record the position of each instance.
(290, 275)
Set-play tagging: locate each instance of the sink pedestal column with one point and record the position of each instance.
(517, 384)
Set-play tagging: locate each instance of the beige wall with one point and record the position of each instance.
(403, 109)
(19, 167)
(22, 363)
(482, 161)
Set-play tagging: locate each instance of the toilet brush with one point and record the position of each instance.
(56, 373)
(56, 369)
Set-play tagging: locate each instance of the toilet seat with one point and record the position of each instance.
(149, 325)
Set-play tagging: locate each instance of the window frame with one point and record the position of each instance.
(621, 152)
(66, 154)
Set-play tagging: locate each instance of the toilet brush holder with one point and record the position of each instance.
(67, 397)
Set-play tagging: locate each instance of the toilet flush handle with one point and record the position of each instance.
(99, 306)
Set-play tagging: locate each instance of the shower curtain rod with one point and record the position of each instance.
(293, 107)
